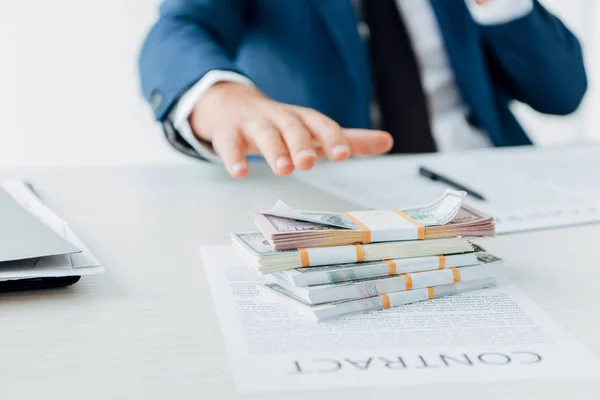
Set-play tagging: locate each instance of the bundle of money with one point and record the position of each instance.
(330, 264)
(256, 250)
(287, 228)
(328, 311)
(358, 289)
(378, 269)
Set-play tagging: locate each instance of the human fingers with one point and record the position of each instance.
(232, 148)
(327, 132)
(298, 138)
(368, 142)
(266, 138)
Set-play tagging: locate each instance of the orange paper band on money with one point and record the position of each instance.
(421, 234)
(408, 280)
(360, 253)
(386, 301)
(442, 262)
(392, 267)
(456, 275)
(365, 230)
(304, 257)
(430, 292)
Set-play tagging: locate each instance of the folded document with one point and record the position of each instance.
(47, 248)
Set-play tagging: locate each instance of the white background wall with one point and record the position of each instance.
(69, 90)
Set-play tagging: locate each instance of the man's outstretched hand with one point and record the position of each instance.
(240, 120)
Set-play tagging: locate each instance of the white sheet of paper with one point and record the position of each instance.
(79, 264)
(525, 188)
(496, 334)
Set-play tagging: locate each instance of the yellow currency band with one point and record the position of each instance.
(442, 262)
(456, 275)
(304, 257)
(421, 228)
(360, 253)
(392, 267)
(365, 229)
(430, 293)
(408, 280)
(386, 301)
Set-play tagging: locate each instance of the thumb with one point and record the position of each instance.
(368, 142)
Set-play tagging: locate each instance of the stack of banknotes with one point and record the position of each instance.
(331, 264)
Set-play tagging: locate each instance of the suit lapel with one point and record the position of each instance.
(467, 59)
(461, 40)
(340, 20)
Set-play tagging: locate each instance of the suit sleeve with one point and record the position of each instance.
(190, 39)
(538, 61)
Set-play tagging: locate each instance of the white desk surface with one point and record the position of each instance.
(148, 330)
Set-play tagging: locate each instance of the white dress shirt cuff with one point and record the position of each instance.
(184, 107)
(494, 12)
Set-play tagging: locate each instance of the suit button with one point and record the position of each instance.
(156, 99)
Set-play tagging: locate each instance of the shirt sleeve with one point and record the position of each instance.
(184, 107)
(494, 12)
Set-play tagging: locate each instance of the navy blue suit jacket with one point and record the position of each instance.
(309, 53)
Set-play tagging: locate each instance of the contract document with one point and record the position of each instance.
(494, 334)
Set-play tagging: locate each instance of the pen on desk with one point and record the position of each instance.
(437, 177)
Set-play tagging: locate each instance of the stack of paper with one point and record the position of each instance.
(385, 258)
(35, 243)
